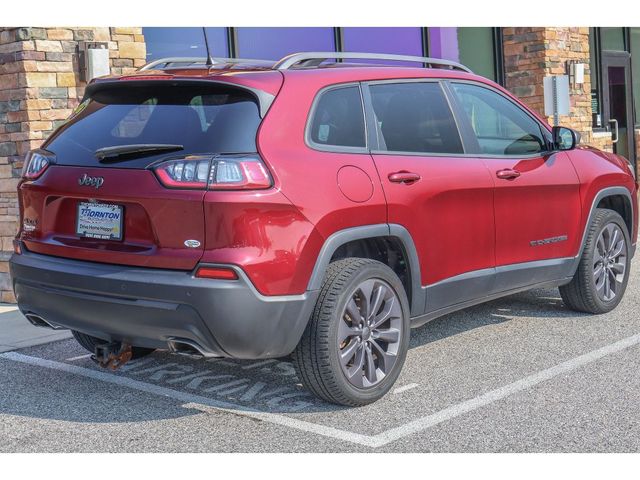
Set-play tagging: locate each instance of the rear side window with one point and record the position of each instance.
(338, 118)
(415, 117)
(500, 126)
(204, 119)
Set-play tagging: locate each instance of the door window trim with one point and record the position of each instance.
(311, 115)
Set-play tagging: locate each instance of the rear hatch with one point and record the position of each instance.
(102, 197)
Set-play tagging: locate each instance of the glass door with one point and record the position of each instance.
(618, 102)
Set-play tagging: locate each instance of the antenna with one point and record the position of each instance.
(206, 44)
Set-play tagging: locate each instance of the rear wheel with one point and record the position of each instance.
(356, 341)
(90, 343)
(601, 279)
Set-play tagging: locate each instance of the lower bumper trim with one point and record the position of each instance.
(151, 308)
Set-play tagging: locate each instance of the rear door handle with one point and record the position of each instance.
(404, 177)
(507, 174)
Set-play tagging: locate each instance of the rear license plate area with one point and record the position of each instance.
(101, 221)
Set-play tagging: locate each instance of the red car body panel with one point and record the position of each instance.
(264, 234)
(157, 220)
(276, 235)
(543, 202)
(453, 202)
(598, 170)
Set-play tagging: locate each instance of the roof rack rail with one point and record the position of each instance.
(313, 59)
(169, 61)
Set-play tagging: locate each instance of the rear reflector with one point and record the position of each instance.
(17, 247)
(217, 273)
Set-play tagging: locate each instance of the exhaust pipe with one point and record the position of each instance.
(182, 346)
(38, 321)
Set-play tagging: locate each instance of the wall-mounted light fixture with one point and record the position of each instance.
(93, 60)
(575, 70)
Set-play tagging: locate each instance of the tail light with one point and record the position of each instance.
(35, 163)
(225, 172)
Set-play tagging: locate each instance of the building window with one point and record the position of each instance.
(398, 40)
(634, 41)
(273, 43)
(612, 38)
(476, 46)
(163, 42)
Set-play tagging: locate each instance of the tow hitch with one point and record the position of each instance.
(112, 355)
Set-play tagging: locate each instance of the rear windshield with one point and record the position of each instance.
(207, 119)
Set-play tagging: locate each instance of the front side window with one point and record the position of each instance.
(415, 117)
(338, 119)
(500, 126)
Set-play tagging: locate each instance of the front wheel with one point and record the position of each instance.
(601, 279)
(355, 344)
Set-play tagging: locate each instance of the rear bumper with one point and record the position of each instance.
(151, 308)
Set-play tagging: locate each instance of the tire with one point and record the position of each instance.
(609, 251)
(90, 343)
(367, 374)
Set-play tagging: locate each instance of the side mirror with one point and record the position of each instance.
(565, 138)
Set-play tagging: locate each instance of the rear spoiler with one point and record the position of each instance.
(263, 98)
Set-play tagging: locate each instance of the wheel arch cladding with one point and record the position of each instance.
(389, 244)
(602, 196)
(621, 204)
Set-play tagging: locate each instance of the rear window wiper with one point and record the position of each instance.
(125, 152)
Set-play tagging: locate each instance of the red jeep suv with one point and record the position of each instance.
(310, 207)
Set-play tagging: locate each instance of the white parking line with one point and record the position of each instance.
(79, 357)
(415, 426)
(429, 421)
(408, 386)
(189, 398)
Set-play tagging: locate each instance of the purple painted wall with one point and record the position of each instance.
(443, 43)
(273, 43)
(399, 40)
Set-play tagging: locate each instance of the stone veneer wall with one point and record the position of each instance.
(39, 87)
(532, 53)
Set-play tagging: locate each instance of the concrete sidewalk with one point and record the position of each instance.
(16, 331)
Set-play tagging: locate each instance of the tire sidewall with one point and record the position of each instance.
(609, 217)
(370, 271)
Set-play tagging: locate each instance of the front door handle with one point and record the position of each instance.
(507, 174)
(404, 177)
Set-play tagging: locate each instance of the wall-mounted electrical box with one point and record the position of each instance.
(93, 60)
(575, 70)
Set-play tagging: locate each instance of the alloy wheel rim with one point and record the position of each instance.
(369, 333)
(609, 262)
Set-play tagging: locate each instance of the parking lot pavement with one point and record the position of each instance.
(16, 332)
(518, 374)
